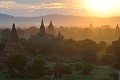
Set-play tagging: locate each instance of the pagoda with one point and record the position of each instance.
(117, 31)
(51, 29)
(42, 33)
(13, 45)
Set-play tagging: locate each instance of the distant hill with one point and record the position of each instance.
(58, 20)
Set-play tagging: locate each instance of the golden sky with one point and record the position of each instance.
(98, 8)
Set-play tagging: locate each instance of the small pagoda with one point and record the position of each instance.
(13, 44)
(51, 29)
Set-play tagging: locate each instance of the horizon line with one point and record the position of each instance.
(61, 15)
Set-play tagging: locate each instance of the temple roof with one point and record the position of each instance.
(51, 25)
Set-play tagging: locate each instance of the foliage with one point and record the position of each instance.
(101, 45)
(88, 51)
(38, 66)
(67, 69)
(78, 67)
(115, 76)
(24, 75)
(3, 37)
(87, 69)
(16, 62)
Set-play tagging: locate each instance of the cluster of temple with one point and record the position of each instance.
(14, 46)
(46, 33)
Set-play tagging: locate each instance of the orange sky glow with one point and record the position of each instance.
(98, 8)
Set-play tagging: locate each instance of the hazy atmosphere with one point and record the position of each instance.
(59, 39)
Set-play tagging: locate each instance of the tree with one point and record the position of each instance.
(116, 49)
(38, 66)
(102, 45)
(78, 66)
(86, 70)
(67, 69)
(3, 37)
(16, 62)
(109, 57)
(88, 51)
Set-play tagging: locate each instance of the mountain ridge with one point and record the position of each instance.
(58, 20)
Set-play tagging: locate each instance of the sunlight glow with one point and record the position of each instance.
(103, 7)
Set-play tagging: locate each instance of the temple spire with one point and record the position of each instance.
(117, 31)
(51, 29)
(51, 22)
(42, 23)
(13, 45)
(59, 35)
(51, 25)
(13, 27)
(42, 27)
(90, 26)
(42, 32)
(117, 27)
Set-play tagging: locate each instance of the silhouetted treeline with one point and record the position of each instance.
(86, 50)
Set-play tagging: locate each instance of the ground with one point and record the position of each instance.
(99, 73)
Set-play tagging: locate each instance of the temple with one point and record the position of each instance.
(117, 31)
(13, 45)
(59, 36)
(42, 33)
(51, 29)
(46, 33)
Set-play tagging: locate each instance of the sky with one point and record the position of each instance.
(46, 7)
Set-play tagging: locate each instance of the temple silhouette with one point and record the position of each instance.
(13, 44)
(46, 33)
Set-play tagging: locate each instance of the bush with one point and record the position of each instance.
(105, 79)
(78, 66)
(39, 66)
(115, 76)
(24, 75)
(117, 66)
(16, 62)
(67, 70)
(87, 69)
(73, 60)
(57, 72)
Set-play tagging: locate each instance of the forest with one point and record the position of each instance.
(61, 56)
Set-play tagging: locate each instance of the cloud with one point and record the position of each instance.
(15, 6)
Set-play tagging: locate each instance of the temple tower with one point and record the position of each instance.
(59, 36)
(42, 32)
(13, 45)
(51, 29)
(117, 31)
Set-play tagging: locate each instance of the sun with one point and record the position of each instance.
(103, 6)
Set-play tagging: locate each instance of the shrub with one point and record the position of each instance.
(57, 72)
(78, 67)
(117, 66)
(67, 70)
(105, 79)
(24, 75)
(16, 62)
(115, 76)
(86, 70)
(39, 66)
